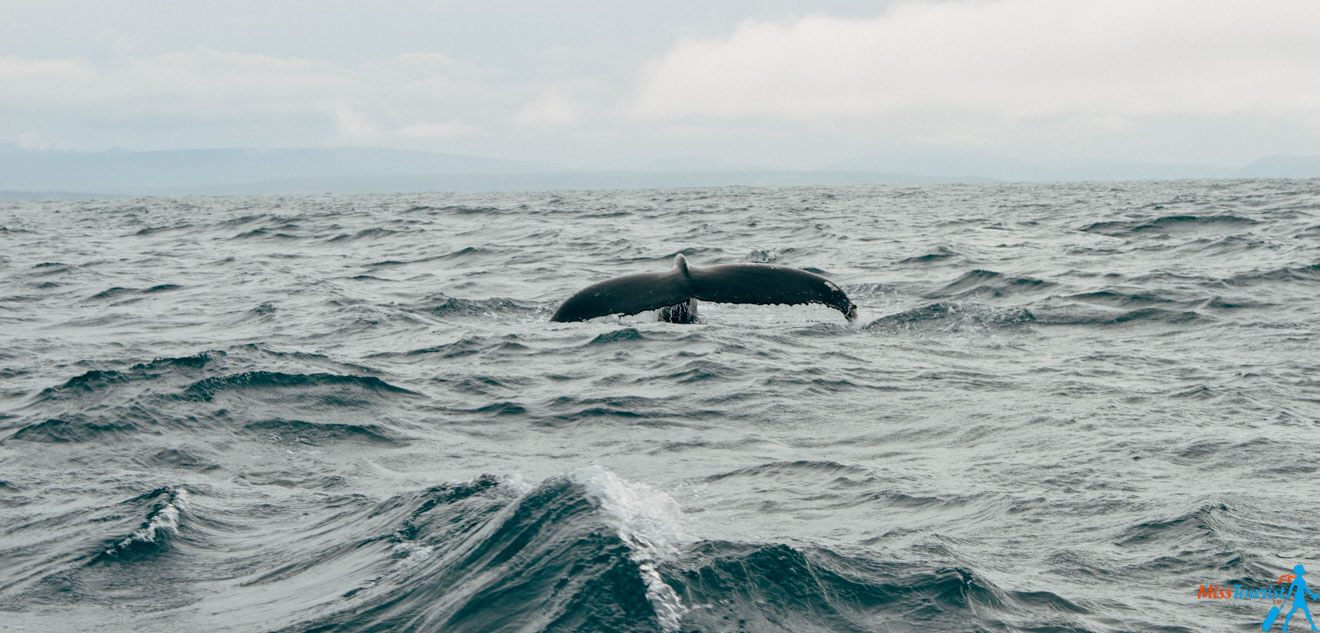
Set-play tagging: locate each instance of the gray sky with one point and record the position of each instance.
(600, 84)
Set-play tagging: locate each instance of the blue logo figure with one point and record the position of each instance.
(1298, 592)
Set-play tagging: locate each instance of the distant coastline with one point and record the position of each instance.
(27, 174)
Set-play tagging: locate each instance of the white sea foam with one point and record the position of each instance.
(165, 519)
(410, 555)
(648, 522)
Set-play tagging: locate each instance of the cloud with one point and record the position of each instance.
(417, 97)
(551, 108)
(202, 82)
(438, 131)
(1147, 79)
(32, 139)
(984, 63)
(355, 128)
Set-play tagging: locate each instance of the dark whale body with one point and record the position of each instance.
(675, 291)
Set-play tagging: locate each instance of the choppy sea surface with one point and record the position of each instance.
(1064, 408)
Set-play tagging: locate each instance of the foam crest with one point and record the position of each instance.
(164, 520)
(648, 522)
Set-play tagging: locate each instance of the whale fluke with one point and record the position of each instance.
(728, 283)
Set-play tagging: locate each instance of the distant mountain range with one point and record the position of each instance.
(1000, 168)
(1283, 167)
(28, 173)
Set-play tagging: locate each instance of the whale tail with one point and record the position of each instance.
(729, 283)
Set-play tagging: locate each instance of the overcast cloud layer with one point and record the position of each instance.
(595, 84)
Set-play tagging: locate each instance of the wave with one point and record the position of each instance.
(459, 209)
(244, 219)
(868, 290)
(457, 349)
(154, 535)
(988, 283)
(1129, 317)
(155, 397)
(701, 369)
(938, 255)
(105, 404)
(796, 469)
(74, 428)
(617, 336)
(119, 291)
(1130, 298)
(763, 256)
(1121, 297)
(579, 552)
(1168, 224)
(637, 408)
(152, 230)
(778, 587)
(51, 268)
(370, 233)
(111, 293)
(500, 409)
(952, 317)
(1289, 274)
(1212, 529)
(97, 380)
(180, 458)
(264, 312)
(446, 306)
(207, 389)
(314, 433)
(590, 552)
(268, 232)
(1201, 523)
(457, 254)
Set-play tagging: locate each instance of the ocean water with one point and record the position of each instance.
(1064, 407)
